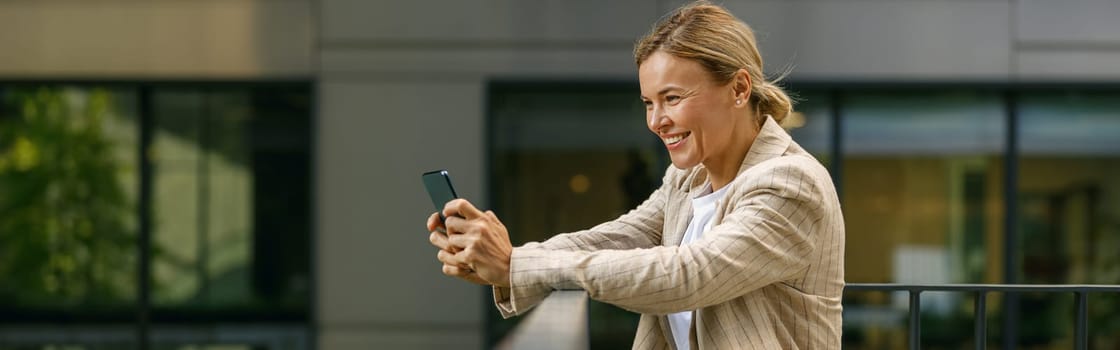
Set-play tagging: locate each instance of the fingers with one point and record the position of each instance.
(461, 270)
(455, 224)
(464, 273)
(447, 258)
(453, 257)
(460, 227)
(455, 271)
(459, 224)
(461, 241)
(439, 239)
(461, 207)
(434, 223)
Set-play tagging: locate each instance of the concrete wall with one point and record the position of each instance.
(142, 39)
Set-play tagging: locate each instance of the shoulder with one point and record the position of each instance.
(796, 175)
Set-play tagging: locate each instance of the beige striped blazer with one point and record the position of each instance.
(768, 274)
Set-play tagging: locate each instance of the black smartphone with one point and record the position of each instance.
(438, 183)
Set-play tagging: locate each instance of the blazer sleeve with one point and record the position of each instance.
(639, 228)
(767, 237)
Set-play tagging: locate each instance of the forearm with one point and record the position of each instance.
(757, 247)
(659, 281)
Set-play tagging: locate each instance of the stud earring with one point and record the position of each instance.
(738, 101)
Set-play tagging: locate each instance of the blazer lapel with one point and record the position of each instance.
(678, 217)
(771, 142)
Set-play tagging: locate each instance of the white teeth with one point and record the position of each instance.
(674, 139)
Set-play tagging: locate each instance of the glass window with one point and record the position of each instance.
(1069, 209)
(228, 163)
(68, 174)
(922, 203)
(810, 124)
(203, 197)
(572, 165)
(231, 196)
(566, 157)
(922, 186)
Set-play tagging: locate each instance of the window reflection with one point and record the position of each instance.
(922, 186)
(68, 174)
(231, 211)
(203, 197)
(922, 201)
(563, 167)
(810, 124)
(1069, 213)
(231, 175)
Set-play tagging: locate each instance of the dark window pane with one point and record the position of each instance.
(922, 178)
(231, 200)
(567, 157)
(922, 204)
(1069, 212)
(811, 124)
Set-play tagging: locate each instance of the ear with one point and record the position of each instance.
(741, 87)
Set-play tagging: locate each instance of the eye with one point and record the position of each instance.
(672, 99)
(648, 103)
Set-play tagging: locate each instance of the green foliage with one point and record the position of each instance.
(67, 233)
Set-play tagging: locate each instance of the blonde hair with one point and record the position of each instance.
(723, 44)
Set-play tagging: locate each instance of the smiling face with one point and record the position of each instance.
(697, 118)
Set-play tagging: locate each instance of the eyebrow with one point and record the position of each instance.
(665, 90)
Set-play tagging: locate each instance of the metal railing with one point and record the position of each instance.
(1081, 293)
(559, 322)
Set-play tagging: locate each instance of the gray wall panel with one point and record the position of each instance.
(484, 62)
(487, 21)
(882, 40)
(146, 39)
(1071, 21)
(1069, 65)
(375, 264)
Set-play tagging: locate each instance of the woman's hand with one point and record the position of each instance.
(476, 245)
(439, 239)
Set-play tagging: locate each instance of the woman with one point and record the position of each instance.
(741, 247)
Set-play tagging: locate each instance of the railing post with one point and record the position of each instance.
(1081, 335)
(915, 319)
(981, 315)
(1010, 293)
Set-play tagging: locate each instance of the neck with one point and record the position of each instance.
(724, 168)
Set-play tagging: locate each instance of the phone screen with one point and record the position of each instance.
(438, 183)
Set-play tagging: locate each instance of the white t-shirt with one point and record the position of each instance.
(703, 209)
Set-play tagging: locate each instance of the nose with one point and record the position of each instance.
(657, 119)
